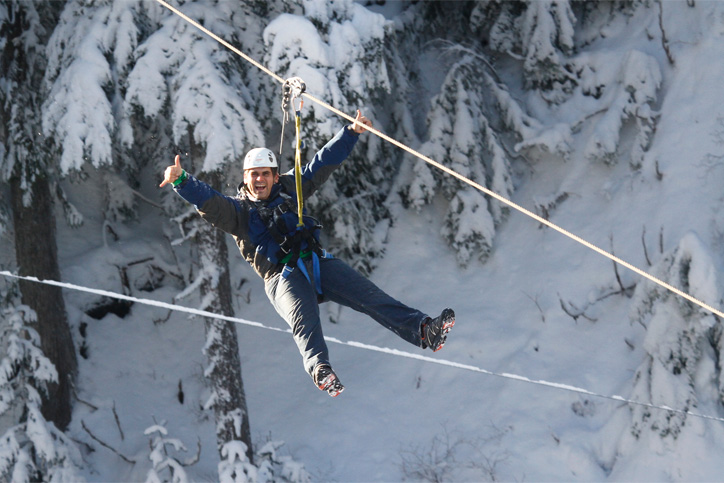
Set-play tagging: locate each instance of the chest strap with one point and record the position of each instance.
(290, 252)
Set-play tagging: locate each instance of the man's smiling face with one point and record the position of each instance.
(259, 182)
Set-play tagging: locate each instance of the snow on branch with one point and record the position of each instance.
(682, 344)
(163, 456)
(468, 226)
(547, 30)
(198, 81)
(627, 88)
(461, 135)
(78, 112)
(31, 447)
(556, 139)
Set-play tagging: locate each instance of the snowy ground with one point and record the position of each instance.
(509, 320)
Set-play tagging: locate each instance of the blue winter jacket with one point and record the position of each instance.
(239, 215)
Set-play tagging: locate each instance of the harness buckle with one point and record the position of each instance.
(287, 245)
(283, 208)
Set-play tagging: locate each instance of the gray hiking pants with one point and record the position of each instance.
(295, 299)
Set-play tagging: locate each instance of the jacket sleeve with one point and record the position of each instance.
(327, 159)
(224, 212)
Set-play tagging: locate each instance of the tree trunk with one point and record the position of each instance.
(222, 345)
(37, 255)
(222, 348)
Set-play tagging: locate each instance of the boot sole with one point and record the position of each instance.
(447, 324)
(332, 385)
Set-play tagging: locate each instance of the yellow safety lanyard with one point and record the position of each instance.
(292, 89)
(298, 163)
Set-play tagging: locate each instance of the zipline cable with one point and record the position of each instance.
(455, 174)
(359, 345)
(221, 41)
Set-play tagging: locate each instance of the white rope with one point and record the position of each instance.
(360, 345)
(457, 175)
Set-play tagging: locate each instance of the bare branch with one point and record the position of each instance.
(87, 447)
(544, 209)
(623, 290)
(659, 174)
(577, 126)
(535, 301)
(108, 228)
(118, 421)
(450, 47)
(105, 445)
(574, 312)
(664, 40)
(137, 262)
(196, 458)
(150, 202)
(75, 394)
(162, 320)
(643, 242)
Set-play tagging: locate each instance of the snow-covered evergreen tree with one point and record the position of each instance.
(89, 53)
(547, 36)
(24, 26)
(474, 124)
(461, 137)
(541, 35)
(270, 465)
(163, 463)
(476, 108)
(682, 347)
(273, 466)
(93, 50)
(196, 85)
(199, 82)
(26, 164)
(31, 448)
(538, 33)
(235, 466)
(626, 92)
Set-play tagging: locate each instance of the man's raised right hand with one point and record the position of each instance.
(172, 173)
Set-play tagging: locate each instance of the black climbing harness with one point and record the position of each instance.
(297, 247)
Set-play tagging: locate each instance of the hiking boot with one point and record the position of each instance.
(326, 380)
(434, 331)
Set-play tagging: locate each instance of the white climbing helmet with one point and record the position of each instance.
(260, 158)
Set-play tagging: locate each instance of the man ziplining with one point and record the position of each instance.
(284, 249)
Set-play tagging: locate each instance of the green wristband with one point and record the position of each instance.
(184, 176)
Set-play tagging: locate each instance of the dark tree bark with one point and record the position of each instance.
(37, 255)
(222, 351)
